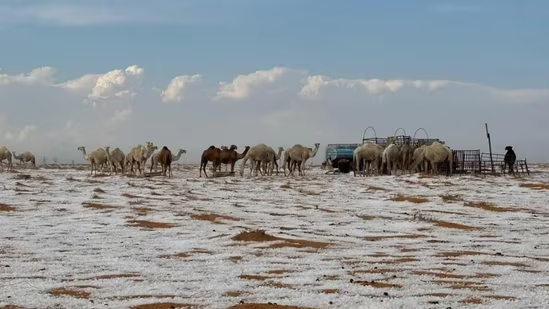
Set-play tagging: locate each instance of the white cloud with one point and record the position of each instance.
(244, 86)
(315, 85)
(280, 106)
(175, 92)
(42, 76)
(82, 84)
(117, 83)
(19, 135)
(120, 116)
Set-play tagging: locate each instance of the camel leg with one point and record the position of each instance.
(434, 167)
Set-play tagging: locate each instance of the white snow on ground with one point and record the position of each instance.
(371, 252)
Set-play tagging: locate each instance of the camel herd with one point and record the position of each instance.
(263, 159)
(372, 156)
(138, 155)
(6, 154)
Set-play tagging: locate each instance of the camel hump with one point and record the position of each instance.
(165, 148)
(211, 147)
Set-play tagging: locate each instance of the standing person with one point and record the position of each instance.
(510, 158)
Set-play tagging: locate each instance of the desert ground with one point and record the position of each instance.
(69, 240)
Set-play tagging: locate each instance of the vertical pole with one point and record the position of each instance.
(490, 148)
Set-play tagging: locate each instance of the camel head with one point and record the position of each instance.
(82, 148)
(181, 151)
(107, 148)
(314, 151)
(280, 149)
(507, 148)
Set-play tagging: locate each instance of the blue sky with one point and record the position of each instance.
(484, 47)
(502, 43)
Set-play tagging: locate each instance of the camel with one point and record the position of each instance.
(154, 158)
(328, 165)
(165, 158)
(212, 154)
(368, 154)
(256, 154)
(140, 154)
(226, 154)
(268, 162)
(391, 157)
(96, 157)
(301, 154)
(287, 161)
(178, 156)
(274, 161)
(25, 157)
(116, 157)
(406, 156)
(230, 156)
(233, 156)
(5, 154)
(417, 153)
(436, 153)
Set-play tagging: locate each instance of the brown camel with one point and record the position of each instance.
(165, 160)
(231, 156)
(212, 154)
(226, 154)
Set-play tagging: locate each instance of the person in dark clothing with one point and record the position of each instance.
(510, 158)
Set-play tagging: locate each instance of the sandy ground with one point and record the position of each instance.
(69, 240)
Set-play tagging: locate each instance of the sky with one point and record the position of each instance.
(193, 73)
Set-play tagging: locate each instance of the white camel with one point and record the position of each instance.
(96, 157)
(256, 154)
(269, 162)
(116, 157)
(269, 166)
(418, 153)
(5, 154)
(370, 155)
(405, 156)
(435, 154)
(25, 157)
(156, 156)
(391, 157)
(140, 154)
(299, 155)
